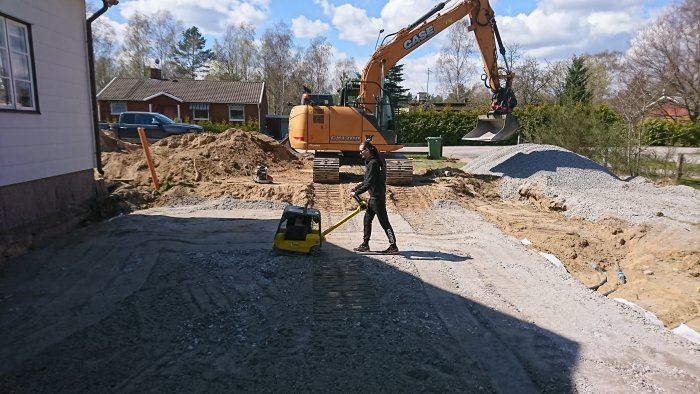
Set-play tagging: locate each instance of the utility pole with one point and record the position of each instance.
(427, 85)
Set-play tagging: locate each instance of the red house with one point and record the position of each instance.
(232, 102)
(671, 108)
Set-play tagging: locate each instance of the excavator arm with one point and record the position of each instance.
(498, 124)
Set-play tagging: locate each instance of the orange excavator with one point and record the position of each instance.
(366, 111)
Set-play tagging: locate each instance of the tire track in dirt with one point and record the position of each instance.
(415, 205)
(334, 202)
(341, 290)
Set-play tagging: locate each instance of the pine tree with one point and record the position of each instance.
(392, 84)
(190, 53)
(576, 83)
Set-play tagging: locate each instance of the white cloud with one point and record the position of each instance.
(558, 29)
(119, 28)
(210, 16)
(303, 27)
(354, 25)
(416, 76)
(397, 14)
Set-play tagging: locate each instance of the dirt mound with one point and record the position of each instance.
(108, 143)
(192, 158)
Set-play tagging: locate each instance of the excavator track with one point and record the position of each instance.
(326, 170)
(399, 171)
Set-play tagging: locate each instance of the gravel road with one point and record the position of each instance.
(192, 299)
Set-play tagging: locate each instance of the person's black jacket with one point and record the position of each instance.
(375, 178)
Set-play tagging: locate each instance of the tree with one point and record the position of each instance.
(576, 84)
(316, 65)
(392, 84)
(604, 72)
(190, 55)
(164, 27)
(104, 49)
(345, 70)
(277, 64)
(530, 82)
(136, 51)
(453, 64)
(667, 54)
(237, 57)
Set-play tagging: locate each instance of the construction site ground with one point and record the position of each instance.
(180, 290)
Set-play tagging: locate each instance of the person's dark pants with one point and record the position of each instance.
(377, 207)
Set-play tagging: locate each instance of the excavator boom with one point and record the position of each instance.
(499, 123)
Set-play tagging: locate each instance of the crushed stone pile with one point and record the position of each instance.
(192, 158)
(580, 187)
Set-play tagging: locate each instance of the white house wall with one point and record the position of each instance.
(60, 139)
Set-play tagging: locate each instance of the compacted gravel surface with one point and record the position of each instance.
(192, 299)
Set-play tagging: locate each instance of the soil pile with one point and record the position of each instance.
(195, 157)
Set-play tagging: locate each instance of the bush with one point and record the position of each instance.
(219, 127)
(662, 132)
(416, 126)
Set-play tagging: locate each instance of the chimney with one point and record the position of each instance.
(155, 73)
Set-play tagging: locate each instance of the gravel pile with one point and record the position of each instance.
(584, 188)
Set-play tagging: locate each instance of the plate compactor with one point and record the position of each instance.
(299, 230)
(261, 175)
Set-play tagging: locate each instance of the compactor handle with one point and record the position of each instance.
(362, 203)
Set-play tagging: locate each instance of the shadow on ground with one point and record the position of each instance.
(161, 304)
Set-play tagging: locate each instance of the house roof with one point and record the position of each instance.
(188, 91)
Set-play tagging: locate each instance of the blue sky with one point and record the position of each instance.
(549, 30)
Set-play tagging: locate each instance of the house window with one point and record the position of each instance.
(117, 107)
(236, 113)
(200, 111)
(17, 83)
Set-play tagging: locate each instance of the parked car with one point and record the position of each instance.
(155, 125)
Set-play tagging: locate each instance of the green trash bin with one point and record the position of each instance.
(434, 148)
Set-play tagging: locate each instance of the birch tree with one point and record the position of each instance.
(277, 57)
(136, 53)
(454, 67)
(237, 57)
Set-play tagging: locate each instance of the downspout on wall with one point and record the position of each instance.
(93, 85)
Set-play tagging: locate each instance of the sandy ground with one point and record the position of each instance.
(185, 295)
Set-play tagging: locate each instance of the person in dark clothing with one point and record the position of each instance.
(375, 184)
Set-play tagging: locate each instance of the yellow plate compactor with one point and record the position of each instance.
(299, 230)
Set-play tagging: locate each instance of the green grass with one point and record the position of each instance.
(659, 168)
(421, 163)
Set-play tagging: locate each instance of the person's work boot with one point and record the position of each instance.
(392, 249)
(362, 248)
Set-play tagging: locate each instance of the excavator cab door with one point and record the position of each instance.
(493, 127)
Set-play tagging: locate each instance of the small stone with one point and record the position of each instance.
(648, 272)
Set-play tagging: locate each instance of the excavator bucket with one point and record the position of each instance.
(493, 128)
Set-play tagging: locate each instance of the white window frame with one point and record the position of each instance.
(240, 107)
(117, 111)
(12, 58)
(194, 111)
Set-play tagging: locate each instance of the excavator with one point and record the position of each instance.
(366, 112)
